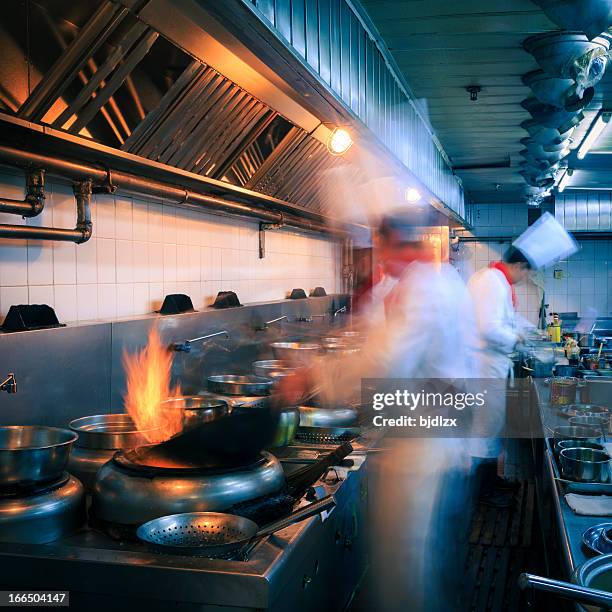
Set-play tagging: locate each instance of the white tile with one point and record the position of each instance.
(230, 264)
(107, 301)
(156, 295)
(182, 262)
(63, 206)
(140, 220)
(123, 218)
(66, 303)
(215, 264)
(170, 288)
(142, 303)
(205, 263)
(87, 302)
(169, 224)
(194, 262)
(41, 294)
(13, 262)
(193, 227)
(587, 285)
(105, 216)
(87, 262)
(106, 261)
(155, 223)
(182, 225)
(156, 263)
(125, 300)
(64, 263)
(246, 264)
(125, 262)
(169, 251)
(10, 296)
(194, 291)
(141, 262)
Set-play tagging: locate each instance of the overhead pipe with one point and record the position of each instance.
(34, 201)
(81, 233)
(132, 183)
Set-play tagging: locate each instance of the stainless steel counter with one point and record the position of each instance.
(315, 564)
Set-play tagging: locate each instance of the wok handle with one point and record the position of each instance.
(566, 590)
(298, 515)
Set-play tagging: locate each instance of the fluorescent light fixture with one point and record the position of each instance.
(564, 180)
(597, 127)
(412, 195)
(339, 142)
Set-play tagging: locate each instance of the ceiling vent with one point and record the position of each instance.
(556, 91)
(589, 16)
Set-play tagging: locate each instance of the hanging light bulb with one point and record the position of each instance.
(412, 195)
(339, 142)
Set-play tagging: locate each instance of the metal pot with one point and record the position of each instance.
(30, 454)
(576, 434)
(296, 353)
(198, 409)
(234, 384)
(597, 421)
(566, 370)
(563, 444)
(315, 416)
(563, 391)
(273, 368)
(585, 465)
(596, 574)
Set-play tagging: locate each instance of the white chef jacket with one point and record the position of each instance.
(497, 336)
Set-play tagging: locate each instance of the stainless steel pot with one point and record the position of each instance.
(30, 454)
(597, 421)
(572, 444)
(296, 353)
(315, 416)
(576, 434)
(107, 431)
(234, 384)
(198, 409)
(585, 465)
(273, 368)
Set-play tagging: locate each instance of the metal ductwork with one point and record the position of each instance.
(543, 134)
(590, 16)
(570, 55)
(557, 92)
(552, 116)
(540, 152)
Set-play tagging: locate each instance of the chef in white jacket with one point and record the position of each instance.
(419, 488)
(500, 330)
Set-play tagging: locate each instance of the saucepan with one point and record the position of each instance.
(585, 465)
(215, 534)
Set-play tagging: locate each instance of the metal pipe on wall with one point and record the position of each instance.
(143, 186)
(34, 201)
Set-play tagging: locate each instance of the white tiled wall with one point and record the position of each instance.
(587, 275)
(143, 250)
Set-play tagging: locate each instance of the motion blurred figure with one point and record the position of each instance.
(499, 331)
(419, 488)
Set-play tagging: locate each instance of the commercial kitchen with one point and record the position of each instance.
(230, 229)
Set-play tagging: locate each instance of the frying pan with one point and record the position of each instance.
(215, 534)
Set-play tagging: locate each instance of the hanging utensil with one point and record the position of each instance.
(215, 534)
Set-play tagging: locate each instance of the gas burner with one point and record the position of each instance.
(41, 513)
(156, 459)
(28, 489)
(127, 493)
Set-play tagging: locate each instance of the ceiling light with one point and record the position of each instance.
(597, 127)
(564, 180)
(412, 194)
(339, 142)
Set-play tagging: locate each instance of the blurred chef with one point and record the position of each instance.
(494, 297)
(500, 330)
(419, 487)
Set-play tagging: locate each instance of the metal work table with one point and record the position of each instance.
(315, 564)
(570, 526)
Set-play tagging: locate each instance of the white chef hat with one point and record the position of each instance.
(545, 242)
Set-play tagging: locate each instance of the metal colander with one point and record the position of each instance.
(215, 534)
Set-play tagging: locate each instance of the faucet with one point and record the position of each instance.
(268, 323)
(185, 347)
(9, 384)
(337, 312)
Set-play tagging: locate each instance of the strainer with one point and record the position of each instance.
(216, 534)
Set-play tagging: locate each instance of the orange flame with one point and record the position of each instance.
(148, 385)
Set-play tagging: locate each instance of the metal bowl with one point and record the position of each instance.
(585, 465)
(598, 538)
(597, 421)
(596, 573)
(561, 444)
(577, 434)
(198, 409)
(30, 454)
(572, 410)
(315, 416)
(234, 384)
(296, 353)
(107, 431)
(273, 368)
